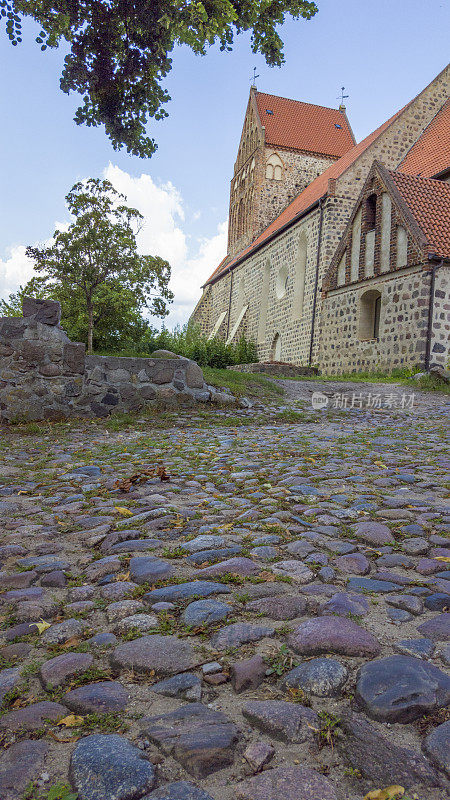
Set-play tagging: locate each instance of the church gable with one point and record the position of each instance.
(382, 235)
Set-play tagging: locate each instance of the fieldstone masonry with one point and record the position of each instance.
(43, 375)
(280, 279)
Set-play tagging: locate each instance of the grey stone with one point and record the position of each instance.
(205, 612)
(162, 655)
(106, 697)
(239, 633)
(20, 764)
(333, 635)
(63, 631)
(379, 759)
(293, 569)
(406, 602)
(149, 569)
(204, 542)
(286, 783)
(322, 677)
(437, 602)
(32, 717)
(233, 566)
(289, 722)
(437, 746)
(373, 532)
(183, 591)
(248, 674)
(109, 766)
(144, 623)
(398, 616)
(46, 311)
(420, 648)
(373, 585)
(132, 545)
(55, 671)
(209, 556)
(202, 740)
(9, 678)
(344, 604)
(437, 628)
(401, 688)
(102, 640)
(56, 579)
(180, 790)
(187, 686)
(417, 546)
(258, 754)
(355, 563)
(278, 608)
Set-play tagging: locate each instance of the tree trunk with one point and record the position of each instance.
(90, 309)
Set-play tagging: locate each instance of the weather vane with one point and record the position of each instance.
(254, 76)
(342, 96)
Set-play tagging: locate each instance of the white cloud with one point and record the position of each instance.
(163, 233)
(15, 270)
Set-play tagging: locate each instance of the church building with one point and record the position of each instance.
(338, 253)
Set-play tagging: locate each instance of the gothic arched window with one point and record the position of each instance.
(274, 167)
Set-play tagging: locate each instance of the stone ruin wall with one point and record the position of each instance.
(45, 376)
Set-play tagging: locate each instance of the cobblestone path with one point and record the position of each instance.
(228, 605)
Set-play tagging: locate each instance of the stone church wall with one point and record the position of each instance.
(299, 170)
(45, 376)
(402, 332)
(440, 340)
(260, 291)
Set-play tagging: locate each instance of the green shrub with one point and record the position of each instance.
(188, 341)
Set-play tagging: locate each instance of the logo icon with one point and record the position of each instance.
(319, 401)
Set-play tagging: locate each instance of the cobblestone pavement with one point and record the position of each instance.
(264, 618)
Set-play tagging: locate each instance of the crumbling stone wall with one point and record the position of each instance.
(43, 375)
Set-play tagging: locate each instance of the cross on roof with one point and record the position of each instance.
(254, 76)
(342, 96)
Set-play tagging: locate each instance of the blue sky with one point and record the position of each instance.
(384, 53)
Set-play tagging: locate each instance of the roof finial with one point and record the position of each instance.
(342, 97)
(253, 78)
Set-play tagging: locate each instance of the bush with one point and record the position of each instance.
(188, 341)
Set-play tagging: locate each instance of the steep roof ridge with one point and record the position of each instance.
(316, 189)
(301, 102)
(428, 201)
(320, 184)
(419, 147)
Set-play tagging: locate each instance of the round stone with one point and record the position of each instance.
(322, 677)
(437, 746)
(333, 635)
(163, 655)
(401, 688)
(205, 612)
(109, 766)
(286, 783)
(107, 697)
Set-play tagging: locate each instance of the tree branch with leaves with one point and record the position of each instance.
(120, 50)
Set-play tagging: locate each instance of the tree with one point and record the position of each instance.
(94, 269)
(119, 50)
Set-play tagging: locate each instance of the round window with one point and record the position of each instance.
(282, 281)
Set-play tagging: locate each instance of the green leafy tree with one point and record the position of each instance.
(94, 269)
(120, 49)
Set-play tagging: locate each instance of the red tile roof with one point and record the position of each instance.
(430, 155)
(309, 196)
(303, 126)
(429, 202)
